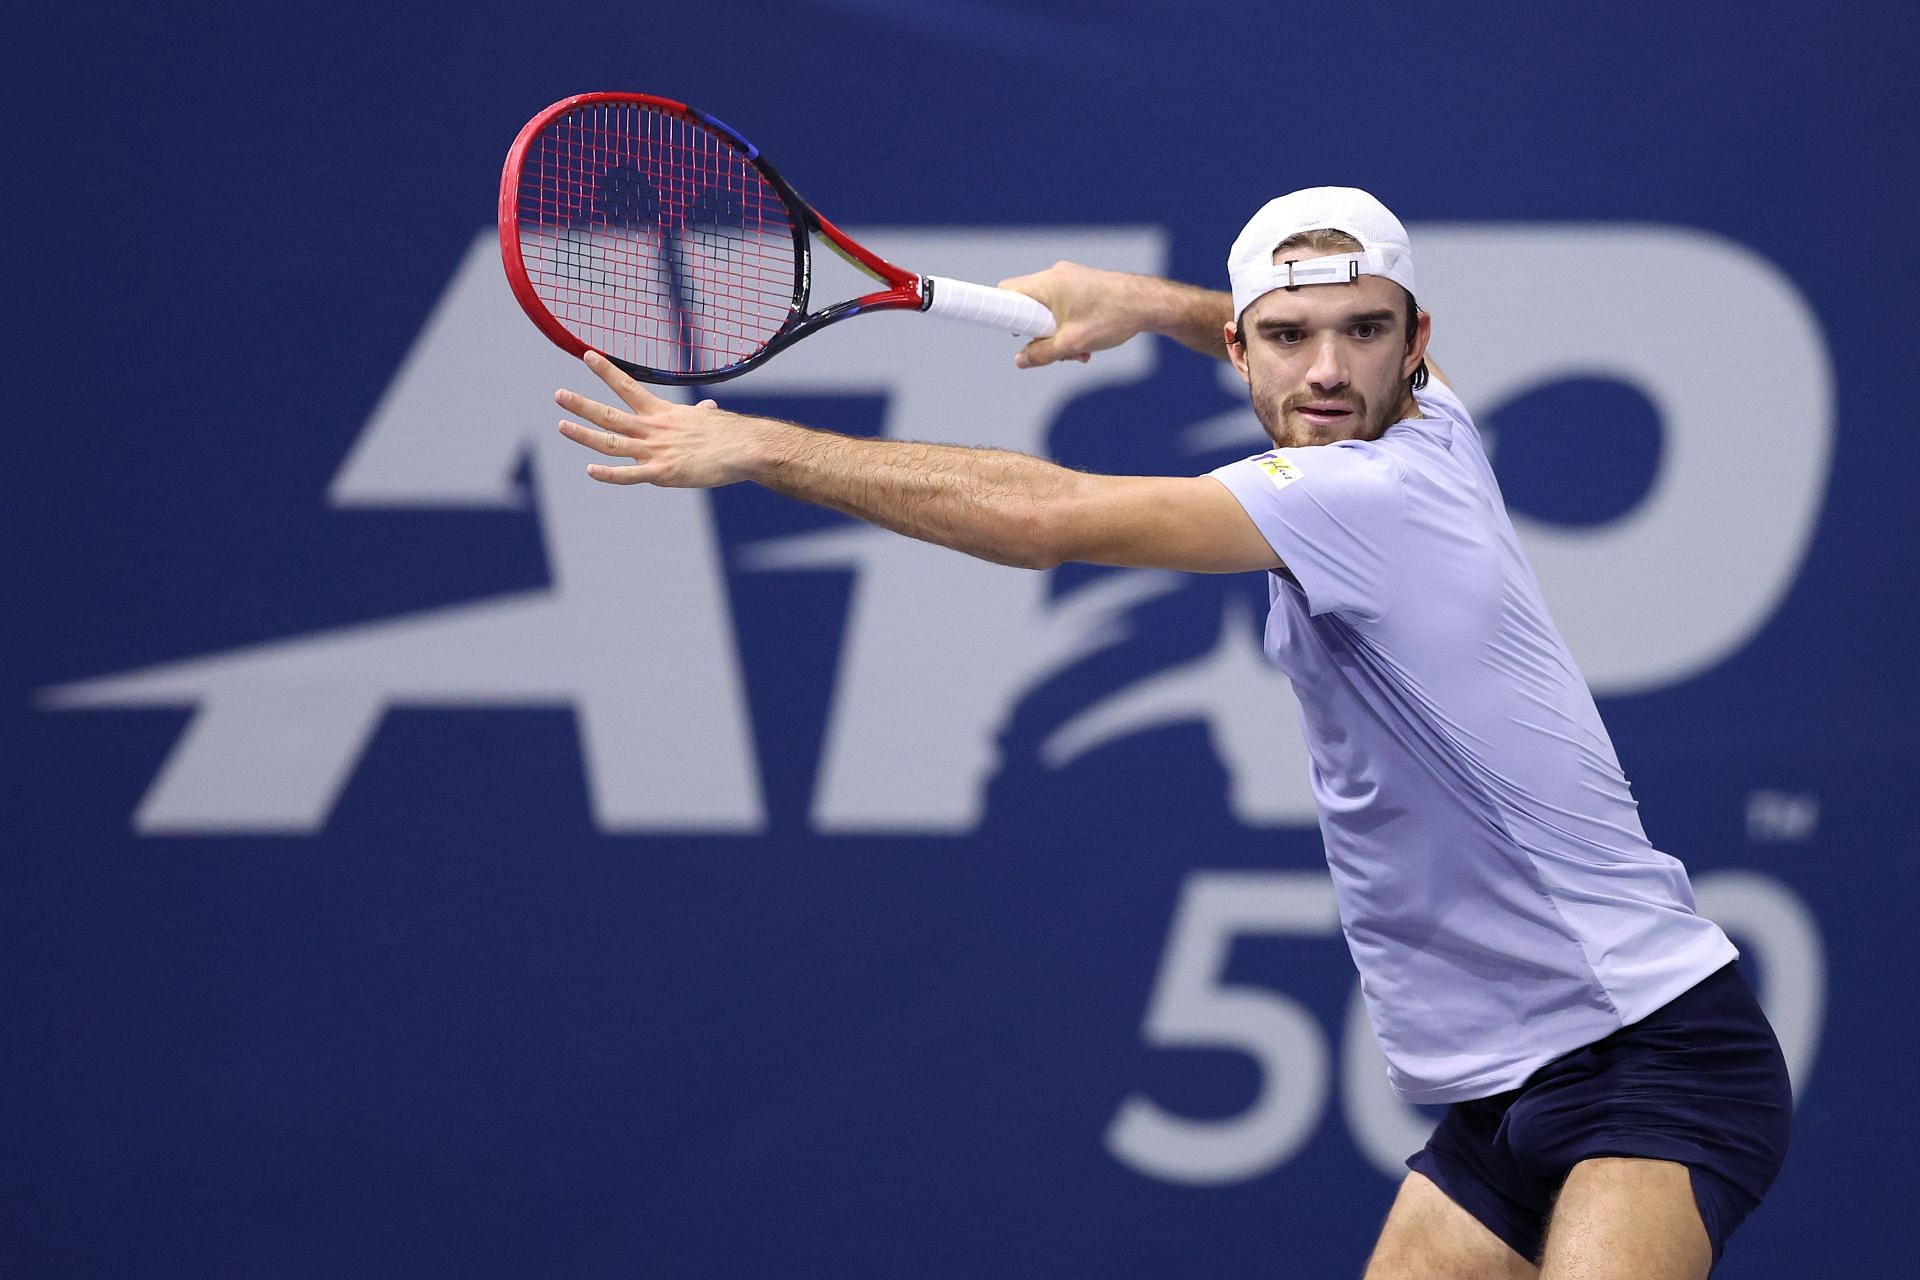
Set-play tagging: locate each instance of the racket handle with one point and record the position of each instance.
(981, 304)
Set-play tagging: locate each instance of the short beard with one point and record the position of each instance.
(1363, 412)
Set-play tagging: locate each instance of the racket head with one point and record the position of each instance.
(655, 234)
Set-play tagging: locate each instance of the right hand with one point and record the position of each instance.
(1091, 311)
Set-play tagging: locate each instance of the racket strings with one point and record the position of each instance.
(654, 239)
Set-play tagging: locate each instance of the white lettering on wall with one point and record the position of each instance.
(1666, 590)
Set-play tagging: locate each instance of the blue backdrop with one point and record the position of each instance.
(420, 860)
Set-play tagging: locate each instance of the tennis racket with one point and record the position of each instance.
(659, 237)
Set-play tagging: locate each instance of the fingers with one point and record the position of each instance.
(604, 416)
(618, 475)
(617, 433)
(642, 401)
(1084, 303)
(1030, 285)
(639, 436)
(641, 470)
(606, 442)
(1045, 351)
(632, 392)
(1036, 353)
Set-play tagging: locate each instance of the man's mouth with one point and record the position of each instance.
(1324, 414)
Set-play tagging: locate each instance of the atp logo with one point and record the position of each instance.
(1663, 592)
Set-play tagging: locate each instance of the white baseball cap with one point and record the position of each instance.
(1384, 247)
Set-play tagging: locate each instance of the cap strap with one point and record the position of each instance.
(1340, 268)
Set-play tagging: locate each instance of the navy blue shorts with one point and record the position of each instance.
(1699, 1081)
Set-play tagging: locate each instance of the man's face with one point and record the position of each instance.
(1329, 362)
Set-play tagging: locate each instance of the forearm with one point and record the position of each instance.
(1099, 309)
(1194, 317)
(1001, 506)
(991, 503)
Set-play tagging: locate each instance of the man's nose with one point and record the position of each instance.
(1329, 368)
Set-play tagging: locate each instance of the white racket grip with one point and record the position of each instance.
(980, 304)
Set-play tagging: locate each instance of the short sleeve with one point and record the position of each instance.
(1334, 516)
(1438, 401)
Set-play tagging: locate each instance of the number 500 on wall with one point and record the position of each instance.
(1191, 1008)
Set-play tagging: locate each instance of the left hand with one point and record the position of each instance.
(681, 446)
(1092, 308)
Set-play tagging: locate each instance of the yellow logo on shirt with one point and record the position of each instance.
(1279, 468)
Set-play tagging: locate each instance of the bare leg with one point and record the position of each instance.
(1621, 1219)
(1429, 1237)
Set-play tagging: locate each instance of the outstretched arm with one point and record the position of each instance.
(998, 505)
(1099, 309)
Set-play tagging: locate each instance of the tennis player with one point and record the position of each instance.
(1617, 1102)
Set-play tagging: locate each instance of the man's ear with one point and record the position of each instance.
(1417, 349)
(1236, 351)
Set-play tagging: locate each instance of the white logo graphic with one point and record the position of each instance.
(1664, 592)
(1194, 1007)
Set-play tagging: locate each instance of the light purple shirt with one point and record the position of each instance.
(1496, 889)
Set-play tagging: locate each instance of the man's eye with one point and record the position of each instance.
(1287, 337)
(1366, 330)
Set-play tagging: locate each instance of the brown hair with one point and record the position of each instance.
(1326, 240)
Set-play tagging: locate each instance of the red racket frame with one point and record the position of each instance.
(903, 291)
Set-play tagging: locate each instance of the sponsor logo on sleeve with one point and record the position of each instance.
(1279, 468)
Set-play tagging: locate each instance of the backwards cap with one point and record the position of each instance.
(1384, 247)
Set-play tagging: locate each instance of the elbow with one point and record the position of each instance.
(1017, 539)
(1020, 560)
(1065, 528)
(1039, 540)
(1023, 556)
(1038, 530)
